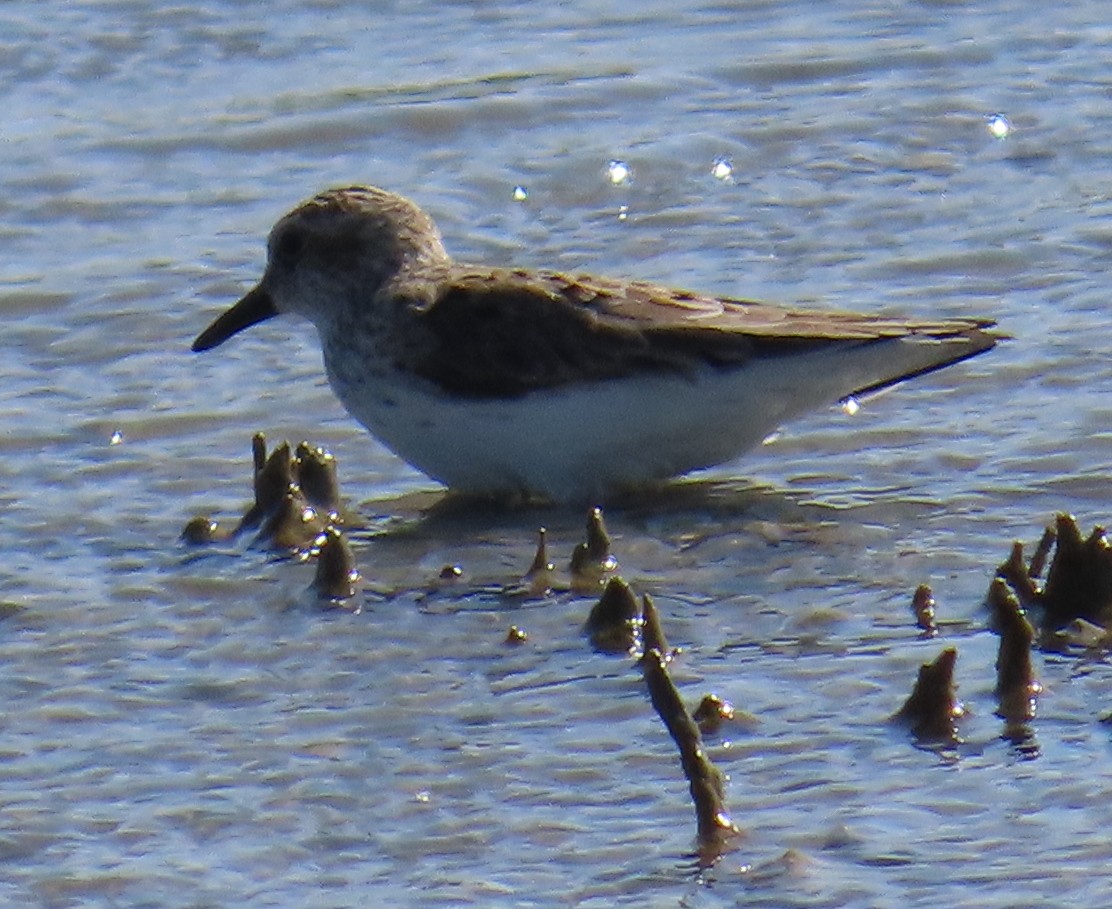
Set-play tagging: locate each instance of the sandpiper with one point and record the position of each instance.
(567, 387)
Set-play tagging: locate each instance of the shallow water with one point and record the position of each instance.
(186, 729)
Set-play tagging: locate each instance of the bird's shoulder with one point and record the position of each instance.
(504, 332)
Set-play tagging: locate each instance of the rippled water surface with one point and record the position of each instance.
(186, 728)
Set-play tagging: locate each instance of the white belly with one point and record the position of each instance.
(577, 442)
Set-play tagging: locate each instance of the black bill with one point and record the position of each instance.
(256, 306)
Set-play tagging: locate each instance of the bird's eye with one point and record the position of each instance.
(289, 246)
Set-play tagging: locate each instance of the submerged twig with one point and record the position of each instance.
(538, 579)
(615, 622)
(315, 472)
(712, 713)
(591, 561)
(1016, 686)
(922, 605)
(1079, 580)
(707, 783)
(652, 633)
(337, 577)
(933, 707)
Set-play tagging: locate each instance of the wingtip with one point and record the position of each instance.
(978, 338)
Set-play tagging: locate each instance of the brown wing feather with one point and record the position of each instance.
(498, 332)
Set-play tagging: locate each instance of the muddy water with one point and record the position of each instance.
(186, 729)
